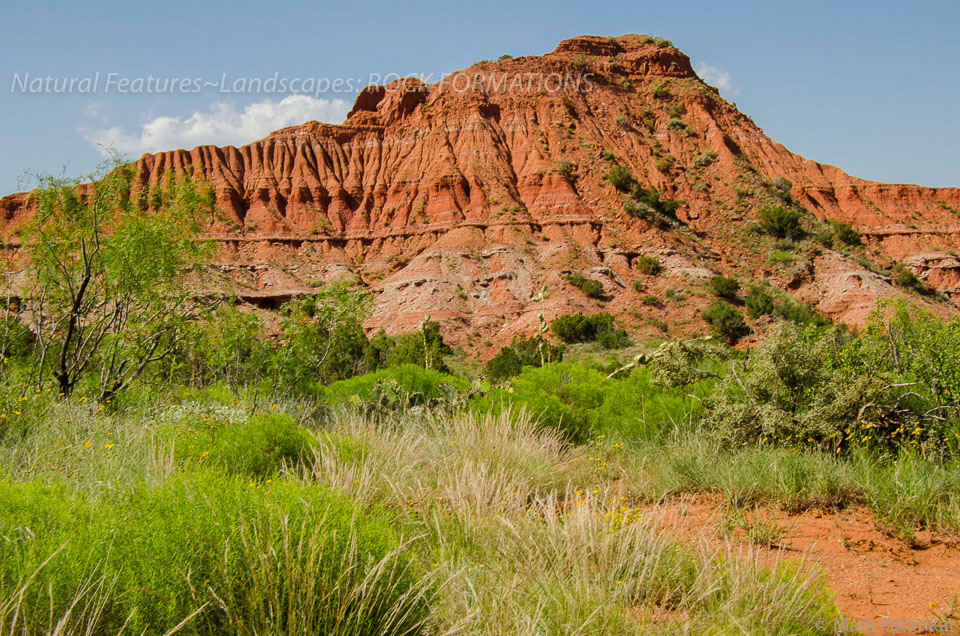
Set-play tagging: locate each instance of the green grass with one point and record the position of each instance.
(190, 509)
(398, 522)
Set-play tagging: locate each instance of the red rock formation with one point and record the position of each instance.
(465, 197)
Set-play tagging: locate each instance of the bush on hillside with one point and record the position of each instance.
(573, 328)
(649, 265)
(590, 287)
(620, 178)
(725, 321)
(724, 287)
(759, 302)
(783, 223)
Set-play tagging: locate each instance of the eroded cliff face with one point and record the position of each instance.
(466, 198)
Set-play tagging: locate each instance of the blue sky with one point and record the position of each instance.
(872, 87)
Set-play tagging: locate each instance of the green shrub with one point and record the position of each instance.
(639, 286)
(781, 222)
(906, 279)
(780, 256)
(582, 62)
(424, 347)
(590, 287)
(844, 233)
(620, 178)
(615, 339)
(675, 124)
(572, 328)
(408, 384)
(580, 402)
(201, 543)
(724, 287)
(566, 168)
(706, 158)
(725, 320)
(16, 339)
(759, 302)
(660, 90)
(782, 186)
(622, 121)
(258, 447)
(522, 352)
(647, 204)
(800, 312)
(649, 300)
(649, 265)
(811, 387)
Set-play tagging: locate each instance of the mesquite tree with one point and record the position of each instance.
(106, 267)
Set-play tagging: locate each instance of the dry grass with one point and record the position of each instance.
(531, 539)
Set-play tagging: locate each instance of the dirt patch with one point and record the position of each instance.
(877, 580)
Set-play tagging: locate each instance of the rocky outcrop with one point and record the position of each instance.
(466, 197)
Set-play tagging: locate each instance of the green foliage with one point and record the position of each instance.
(580, 402)
(781, 256)
(505, 56)
(648, 205)
(759, 302)
(566, 168)
(323, 338)
(660, 90)
(522, 352)
(649, 265)
(572, 328)
(16, 339)
(257, 447)
(620, 178)
(723, 287)
(799, 312)
(196, 543)
(226, 345)
(844, 233)
(725, 321)
(675, 124)
(906, 279)
(425, 348)
(677, 364)
(781, 222)
(582, 62)
(407, 384)
(782, 186)
(106, 275)
(622, 121)
(590, 287)
(896, 386)
(706, 158)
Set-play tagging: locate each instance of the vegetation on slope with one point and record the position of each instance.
(167, 466)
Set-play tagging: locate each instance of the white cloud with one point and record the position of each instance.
(224, 125)
(716, 77)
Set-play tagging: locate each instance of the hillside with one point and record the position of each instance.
(472, 198)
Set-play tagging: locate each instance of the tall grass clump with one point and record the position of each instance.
(207, 550)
